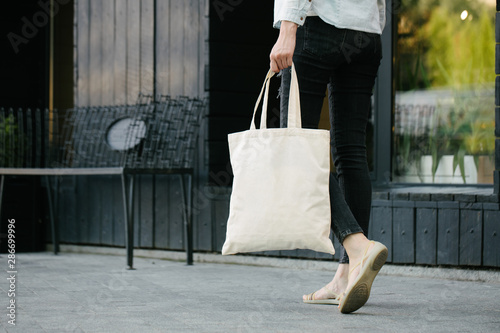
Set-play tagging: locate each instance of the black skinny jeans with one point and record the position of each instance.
(345, 61)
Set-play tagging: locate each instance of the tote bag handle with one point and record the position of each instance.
(294, 120)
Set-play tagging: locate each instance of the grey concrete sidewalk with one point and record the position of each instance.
(95, 293)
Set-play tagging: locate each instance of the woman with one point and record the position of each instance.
(336, 44)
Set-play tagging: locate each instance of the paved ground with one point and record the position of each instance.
(95, 293)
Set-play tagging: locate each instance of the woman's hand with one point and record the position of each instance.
(282, 53)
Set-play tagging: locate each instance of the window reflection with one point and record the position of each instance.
(444, 103)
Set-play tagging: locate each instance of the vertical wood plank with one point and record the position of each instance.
(67, 224)
(84, 222)
(191, 47)
(403, 235)
(176, 56)
(118, 212)
(382, 227)
(94, 198)
(203, 197)
(221, 214)
(162, 47)
(137, 210)
(447, 247)
(491, 251)
(133, 50)
(83, 47)
(108, 55)
(203, 45)
(426, 236)
(175, 219)
(161, 212)
(104, 186)
(95, 61)
(120, 53)
(471, 231)
(146, 211)
(147, 46)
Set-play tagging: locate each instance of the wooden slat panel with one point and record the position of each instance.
(191, 47)
(104, 185)
(68, 225)
(118, 211)
(471, 231)
(107, 50)
(176, 54)
(120, 53)
(147, 46)
(83, 47)
(403, 235)
(175, 219)
(161, 212)
(137, 210)
(447, 247)
(426, 236)
(85, 223)
(163, 47)
(133, 50)
(203, 44)
(146, 189)
(221, 214)
(96, 47)
(202, 216)
(382, 227)
(94, 196)
(491, 251)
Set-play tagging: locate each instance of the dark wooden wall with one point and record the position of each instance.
(124, 47)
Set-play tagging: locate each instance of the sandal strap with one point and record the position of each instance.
(362, 259)
(330, 294)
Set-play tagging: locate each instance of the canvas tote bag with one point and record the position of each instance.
(280, 198)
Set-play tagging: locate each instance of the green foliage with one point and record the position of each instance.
(460, 53)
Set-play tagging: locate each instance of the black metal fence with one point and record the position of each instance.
(147, 135)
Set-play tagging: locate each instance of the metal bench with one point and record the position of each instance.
(146, 138)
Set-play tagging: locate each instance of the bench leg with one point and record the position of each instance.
(187, 199)
(53, 226)
(128, 205)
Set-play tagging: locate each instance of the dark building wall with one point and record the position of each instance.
(241, 38)
(201, 48)
(24, 27)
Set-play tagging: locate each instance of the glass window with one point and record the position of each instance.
(444, 101)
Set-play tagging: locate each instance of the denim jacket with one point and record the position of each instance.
(361, 15)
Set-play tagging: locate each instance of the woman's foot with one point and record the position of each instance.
(332, 290)
(322, 296)
(365, 269)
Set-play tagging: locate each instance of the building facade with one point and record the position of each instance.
(425, 213)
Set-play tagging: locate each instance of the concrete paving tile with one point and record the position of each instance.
(96, 294)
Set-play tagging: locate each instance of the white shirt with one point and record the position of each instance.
(361, 15)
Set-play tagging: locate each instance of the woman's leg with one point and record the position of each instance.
(314, 61)
(350, 92)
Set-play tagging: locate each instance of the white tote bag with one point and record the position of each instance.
(280, 198)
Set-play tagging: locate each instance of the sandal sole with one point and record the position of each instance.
(358, 295)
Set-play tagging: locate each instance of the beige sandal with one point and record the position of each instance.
(332, 298)
(359, 292)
